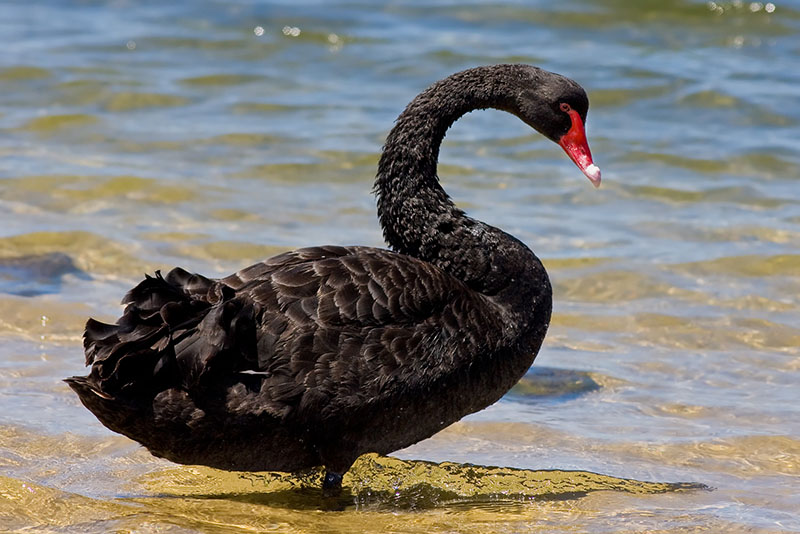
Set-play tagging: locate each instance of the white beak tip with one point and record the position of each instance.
(592, 172)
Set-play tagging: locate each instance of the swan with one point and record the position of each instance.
(316, 356)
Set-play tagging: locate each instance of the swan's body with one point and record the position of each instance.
(317, 356)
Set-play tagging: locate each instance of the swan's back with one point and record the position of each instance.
(310, 357)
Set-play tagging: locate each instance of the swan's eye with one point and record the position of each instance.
(565, 107)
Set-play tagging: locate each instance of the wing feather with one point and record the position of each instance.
(308, 331)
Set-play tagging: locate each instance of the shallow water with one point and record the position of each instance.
(138, 136)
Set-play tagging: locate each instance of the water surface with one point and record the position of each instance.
(138, 136)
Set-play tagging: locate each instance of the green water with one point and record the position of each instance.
(138, 136)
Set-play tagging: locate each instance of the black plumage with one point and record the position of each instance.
(316, 356)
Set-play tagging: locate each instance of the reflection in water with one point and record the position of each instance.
(377, 482)
(200, 497)
(555, 384)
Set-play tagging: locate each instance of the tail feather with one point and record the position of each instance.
(138, 352)
(173, 332)
(83, 387)
(152, 293)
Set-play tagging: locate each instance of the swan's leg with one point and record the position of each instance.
(332, 484)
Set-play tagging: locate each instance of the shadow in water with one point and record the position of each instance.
(379, 482)
(38, 274)
(553, 384)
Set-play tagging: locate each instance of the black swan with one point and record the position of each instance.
(316, 356)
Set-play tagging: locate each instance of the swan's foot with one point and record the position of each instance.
(332, 484)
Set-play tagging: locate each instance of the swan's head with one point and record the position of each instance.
(556, 107)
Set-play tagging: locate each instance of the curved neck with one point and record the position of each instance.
(411, 202)
(417, 215)
(420, 219)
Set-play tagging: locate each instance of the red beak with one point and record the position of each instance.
(577, 148)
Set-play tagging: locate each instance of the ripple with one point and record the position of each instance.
(615, 286)
(741, 456)
(53, 124)
(89, 252)
(88, 193)
(42, 319)
(232, 214)
(23, 73)
(657, 17)
(82, 92)
(379, 481)
(753, 114)
(700, 333)
(687, 332)
(133, 146)
(609, 98)
(711, 99)
(242, 139)
(556, 264)
(732, 233)
(739, 195)
(247, 108)
(216, 251)
(749, 265)
(136, 101)
(753, 302)
(26, 505)
(142, 491)
(337, 167)
(456, 58)
(217, 80)
(192, 43)
(757, 164)
(173, 237)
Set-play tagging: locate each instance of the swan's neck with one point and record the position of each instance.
(417, 215)
(411, 203)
